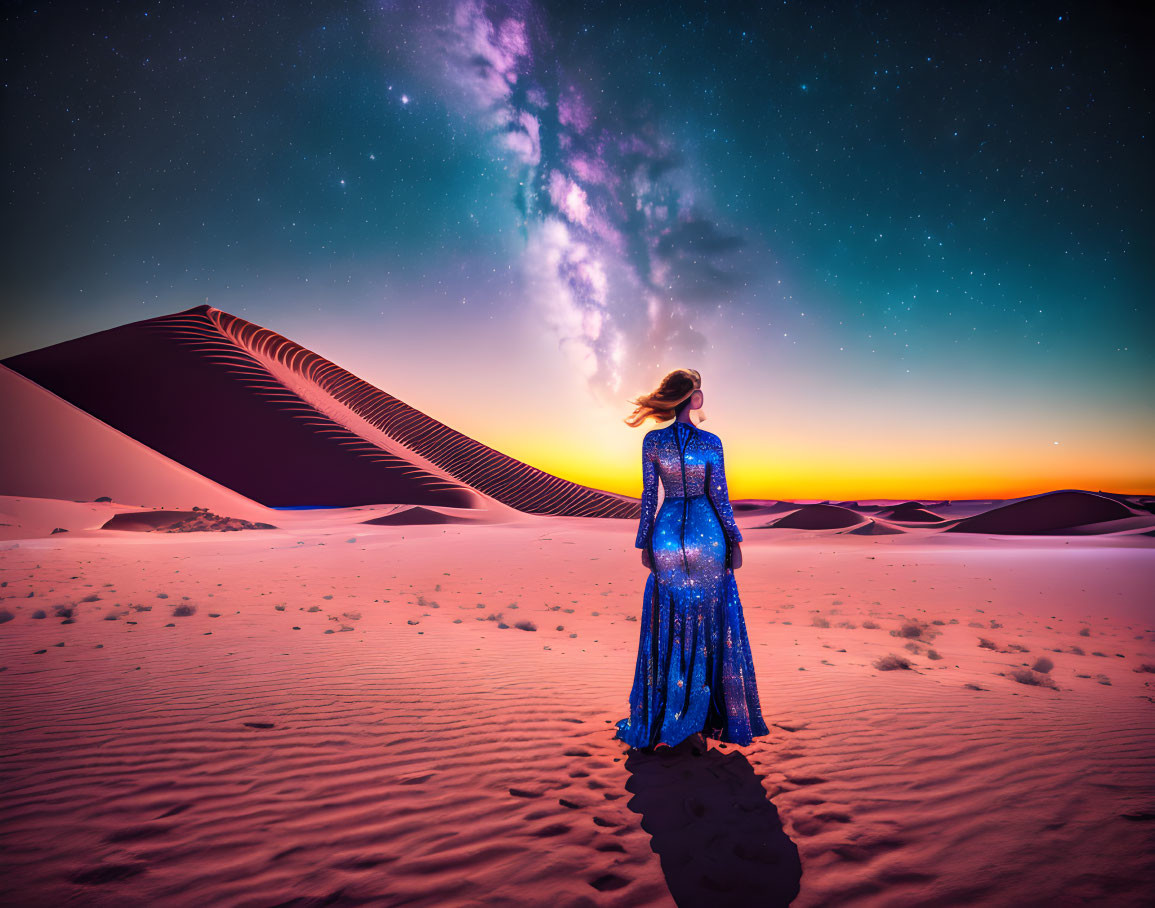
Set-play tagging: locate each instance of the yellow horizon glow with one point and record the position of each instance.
(802, 476)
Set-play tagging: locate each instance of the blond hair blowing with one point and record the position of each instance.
(661, 402)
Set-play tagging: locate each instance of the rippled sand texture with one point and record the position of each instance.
(423, 715)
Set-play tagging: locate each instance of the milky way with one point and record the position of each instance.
(617, 245)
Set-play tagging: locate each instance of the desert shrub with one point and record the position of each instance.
(1043, 664)
(870, 624)
(890, 662)
(1026, 676)
(819, 621)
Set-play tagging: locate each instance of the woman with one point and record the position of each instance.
(694, 672)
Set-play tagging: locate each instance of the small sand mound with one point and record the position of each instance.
(819, 517)
(875, 528)
(194, 521)
(914, 515)
(775, 507)
(416, 515)
(1052, 512)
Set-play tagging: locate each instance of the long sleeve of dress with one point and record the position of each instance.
(720, 494)
(649, 490)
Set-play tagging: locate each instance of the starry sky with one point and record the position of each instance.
(909, 249)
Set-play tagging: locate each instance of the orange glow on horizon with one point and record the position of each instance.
(800, 480)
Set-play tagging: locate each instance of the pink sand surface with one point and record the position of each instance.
(342, 719)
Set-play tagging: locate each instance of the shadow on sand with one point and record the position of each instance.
(717, 834)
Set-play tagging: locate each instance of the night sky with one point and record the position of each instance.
(910, 251)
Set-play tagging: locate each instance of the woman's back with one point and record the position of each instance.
(690, 463)
(694, 671)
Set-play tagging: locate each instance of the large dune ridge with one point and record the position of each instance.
(275, 422)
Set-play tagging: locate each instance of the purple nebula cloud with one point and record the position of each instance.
(619, 254)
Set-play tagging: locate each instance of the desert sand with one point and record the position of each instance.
(423, 714)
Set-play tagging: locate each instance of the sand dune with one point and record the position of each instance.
(818, 517)
(875, 527)
(1067, 512)
(275, 422)
(417, 515)
(51, 449)
(753, 508)
(913, 512)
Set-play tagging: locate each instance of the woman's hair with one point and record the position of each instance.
(667, 400)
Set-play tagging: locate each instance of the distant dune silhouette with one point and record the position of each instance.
(913, 512)
(1069, 511)
(875, 528)
(819, 517)
(414, 516)
(275, 422)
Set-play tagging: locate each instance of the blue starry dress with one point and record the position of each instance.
(694, 670)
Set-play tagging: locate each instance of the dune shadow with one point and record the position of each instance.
(718, 836)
